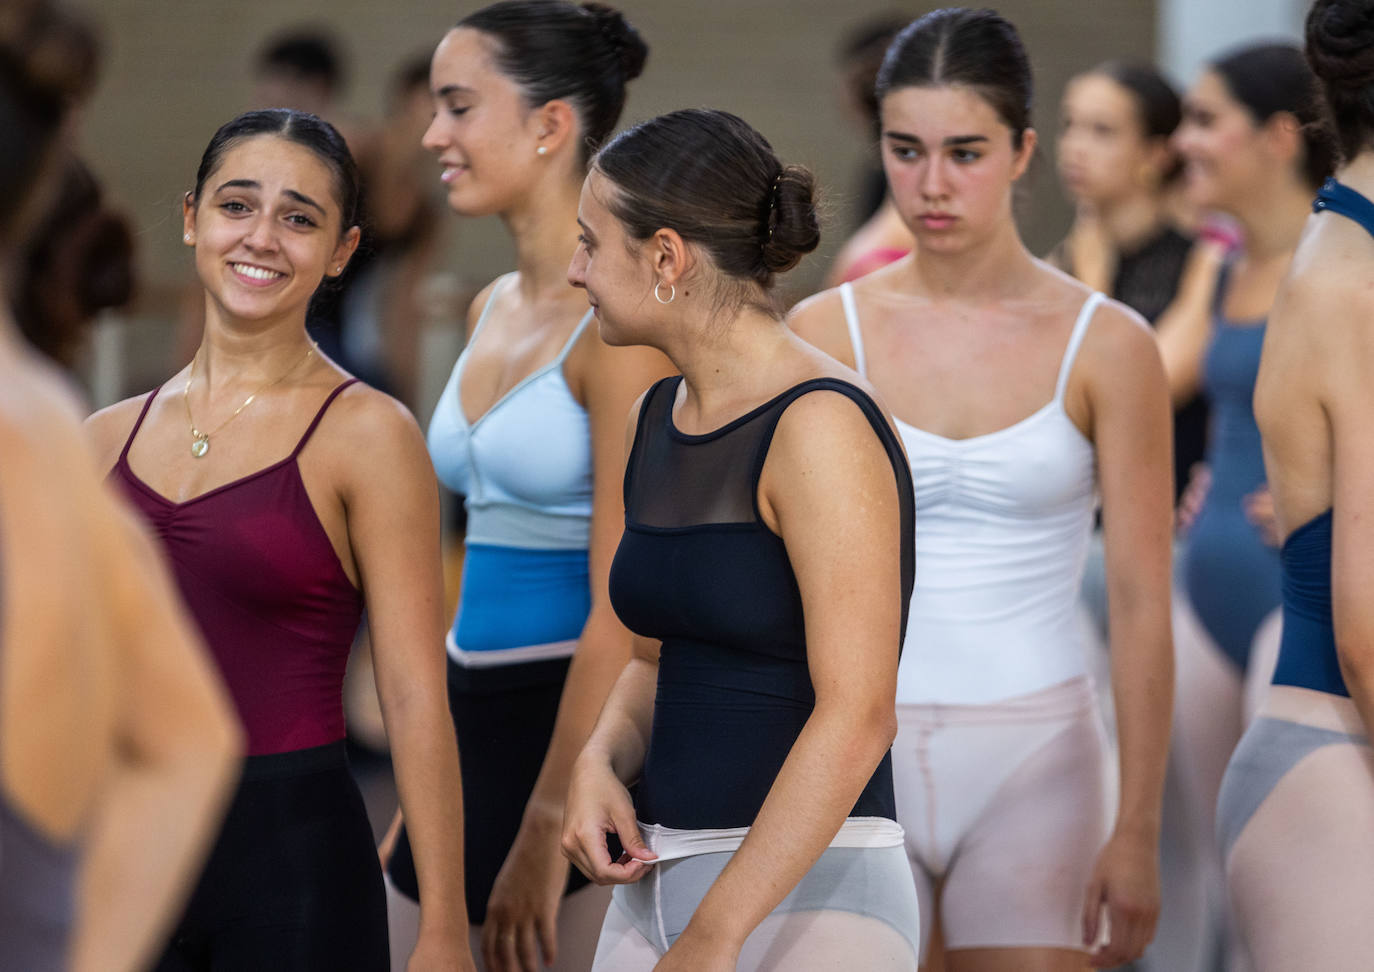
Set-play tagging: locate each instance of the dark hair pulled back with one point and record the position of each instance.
(715, 180)
(1159, 109)
(302, 128)
(1157, 102)
(1340, 49)
(48, 61)
(976, 49)
(584, 54)
(1272, 78)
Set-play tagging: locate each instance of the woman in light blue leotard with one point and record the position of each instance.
(530, 431)
(1248, 156)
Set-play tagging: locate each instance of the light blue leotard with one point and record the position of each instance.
(525, 469)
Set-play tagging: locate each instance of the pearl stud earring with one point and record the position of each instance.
(543, 150)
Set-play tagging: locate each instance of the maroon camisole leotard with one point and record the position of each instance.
(261, 578)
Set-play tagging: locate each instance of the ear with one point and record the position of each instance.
(555, 125)
(188, 219)
(343, 252)
(1282, 134)
(670, 257)
(1029, 139)
(1159, 156)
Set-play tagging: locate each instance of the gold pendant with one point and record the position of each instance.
(200, 446)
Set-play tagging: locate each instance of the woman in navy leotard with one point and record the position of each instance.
(287, 497)
(765, 569)
(1247, 154)
(1296, 814)
(529, 432)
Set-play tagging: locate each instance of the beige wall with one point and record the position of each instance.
(175, 69)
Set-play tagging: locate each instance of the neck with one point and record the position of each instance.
(1358, 173)
(996, 266)
(722, 361)
(1132, 221)
(1272, 221)
(233, 355)
(544, 228)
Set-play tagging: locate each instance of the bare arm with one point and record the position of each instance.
(175, 757)
(829, 485)
(527, 892)
(1185, 326)
(392, 501)
(598, 800)
(1129, 404)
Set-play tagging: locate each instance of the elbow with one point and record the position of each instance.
(870, 732)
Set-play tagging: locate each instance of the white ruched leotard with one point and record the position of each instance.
(1003, 522)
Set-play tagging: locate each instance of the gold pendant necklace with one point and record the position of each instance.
(200, 441)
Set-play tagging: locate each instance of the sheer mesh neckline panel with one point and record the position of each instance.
(679, 481)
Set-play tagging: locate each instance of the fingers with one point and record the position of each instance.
(587, 850)
(491, 946)
(627, 829)
(527, 948)
(546, 927)
(1131, 926)
(1092, 911)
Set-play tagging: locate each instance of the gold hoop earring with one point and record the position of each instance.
(672, 293)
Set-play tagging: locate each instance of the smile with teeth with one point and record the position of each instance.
(255, 273)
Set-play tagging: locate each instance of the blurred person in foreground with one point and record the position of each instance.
(116, 743)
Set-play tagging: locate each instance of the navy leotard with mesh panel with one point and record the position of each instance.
(699, 569)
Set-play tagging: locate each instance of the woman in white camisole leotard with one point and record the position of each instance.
(1021, 397)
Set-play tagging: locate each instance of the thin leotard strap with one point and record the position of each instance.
(851, 320)
(486, 308)
(1080, 328)
(148, 403)
(310, 430)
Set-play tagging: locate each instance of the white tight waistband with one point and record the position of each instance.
(671, 844)
(508, 656)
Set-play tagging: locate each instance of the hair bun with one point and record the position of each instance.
(1340, 42)
(794, 228)
(629, 48)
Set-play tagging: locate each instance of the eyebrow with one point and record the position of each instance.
(300, 197)
(449, 89)
(953, 140)
(586, 230)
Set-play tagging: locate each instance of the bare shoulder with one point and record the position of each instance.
(1116, 328)
(370, 419)
(1327, 295)
(819, 320)
(826, 426)
(109, 428)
